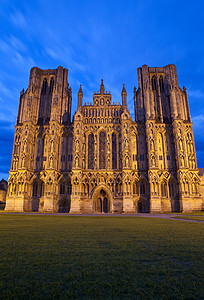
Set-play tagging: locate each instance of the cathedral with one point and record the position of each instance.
(102, 161)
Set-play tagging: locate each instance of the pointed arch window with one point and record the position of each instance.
(51, 84)
(114, 151)
(171, 189)
(135, 188)
(35, 189)
(163, 189)
(69, 151)
(42, 189)
(161, 84)
(142, 188)
(62, 188)
(91, 151)
(44, 86)
(102, 150)
(153, 83)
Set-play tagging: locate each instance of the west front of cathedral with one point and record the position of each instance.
(103, 161)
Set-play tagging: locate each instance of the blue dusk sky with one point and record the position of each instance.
(99, 39)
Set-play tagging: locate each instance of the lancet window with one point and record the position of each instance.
(45, 151)
(171, 189)
(35, 189)
(160, 150)
(63, 152)
(51, 84)
(62, 188)
(91, 151)
(142, 188)
(102, 150)
(153, 83)
(142, 152)
(161, 84)
(163, 189)
(69, 151)
(114, 151)
(44, 86)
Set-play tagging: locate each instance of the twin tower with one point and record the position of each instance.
(103, 161)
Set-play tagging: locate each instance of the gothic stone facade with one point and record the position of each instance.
(104, 161)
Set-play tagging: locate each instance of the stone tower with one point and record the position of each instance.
(103, 161)
(44, 109)
(162, 106)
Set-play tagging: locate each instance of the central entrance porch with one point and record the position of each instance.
(102, 200)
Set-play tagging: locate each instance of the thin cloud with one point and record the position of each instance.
(4, 47)
(4, 90)
(65, 54)
(198, 121)
(6, 114)
(51, 53)
(23, 61)
(18, 19)
(17, 44)
(14, 49)
(196, 93)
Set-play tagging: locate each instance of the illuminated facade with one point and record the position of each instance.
(103, 161)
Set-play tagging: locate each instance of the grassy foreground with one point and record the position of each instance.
(59, 257)
(197, 218)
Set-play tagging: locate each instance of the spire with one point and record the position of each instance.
(102, 90)
(80, 97)
(124, 96)
(80, 90)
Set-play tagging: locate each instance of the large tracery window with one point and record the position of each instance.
(91, 151)
(114, 151)
(102, 150)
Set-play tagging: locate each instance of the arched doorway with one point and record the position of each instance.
(63, 205)
(102, 202)
(37, 193)
(105, 205)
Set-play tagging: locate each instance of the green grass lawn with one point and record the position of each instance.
(59, 257)
(197, 218)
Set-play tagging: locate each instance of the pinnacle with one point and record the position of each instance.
(124, 89)
(80, 89)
